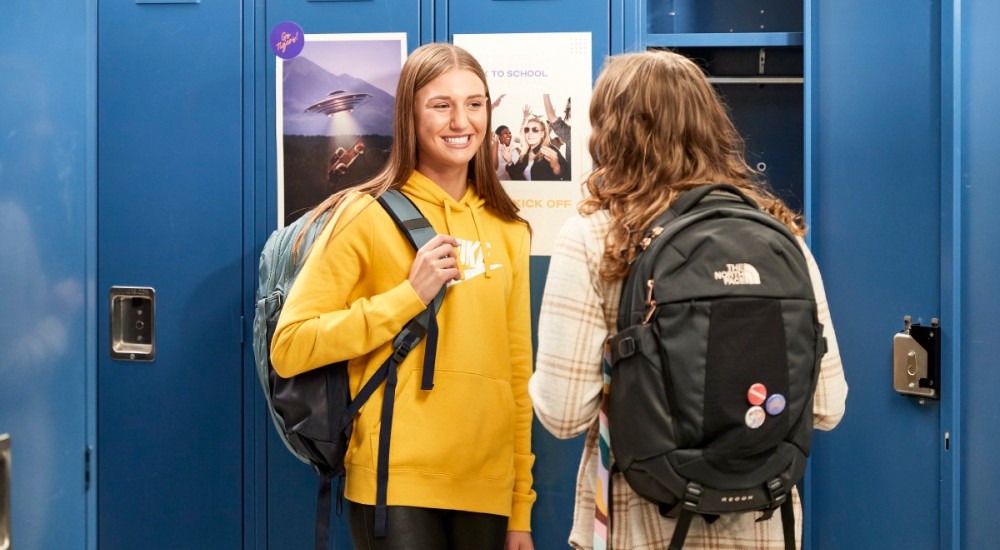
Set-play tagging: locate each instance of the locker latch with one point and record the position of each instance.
(916, 359)
(133, 323)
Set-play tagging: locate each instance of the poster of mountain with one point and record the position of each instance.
(334, 104)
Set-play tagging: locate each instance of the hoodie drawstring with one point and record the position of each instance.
(447, 229)
(487, 252)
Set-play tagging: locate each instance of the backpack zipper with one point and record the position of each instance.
(650, 302)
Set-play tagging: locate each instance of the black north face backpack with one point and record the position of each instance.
(715, 362)
(313, 412)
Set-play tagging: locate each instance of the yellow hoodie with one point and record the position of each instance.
(465, 444)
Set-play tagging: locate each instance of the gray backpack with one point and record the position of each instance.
(715, 362)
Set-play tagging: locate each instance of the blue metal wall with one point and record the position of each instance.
(46, 264)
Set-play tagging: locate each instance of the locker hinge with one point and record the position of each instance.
(86, 467)
(243, 329)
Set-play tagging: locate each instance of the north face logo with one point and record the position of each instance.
(739, 274)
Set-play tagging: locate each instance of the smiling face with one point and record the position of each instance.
(504, 136)
(533, 130)
(450, 115)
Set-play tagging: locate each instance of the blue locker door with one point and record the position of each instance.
(556, 461)
(170, 217)
(876, 226)
(46, 270)
(286, 488)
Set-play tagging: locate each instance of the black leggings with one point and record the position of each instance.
(413, 528)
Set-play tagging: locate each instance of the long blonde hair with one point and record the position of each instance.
(660, 128)
(422, 66)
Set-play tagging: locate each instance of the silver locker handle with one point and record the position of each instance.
(133, 323)
(4, 491)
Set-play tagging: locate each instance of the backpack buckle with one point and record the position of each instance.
(777, 490)
(402, 350)
(626, 347)
(692, 497)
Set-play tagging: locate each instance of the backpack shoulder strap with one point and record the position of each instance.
(407, 216)
(419, 232)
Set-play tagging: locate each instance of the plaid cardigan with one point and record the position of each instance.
(579, 311)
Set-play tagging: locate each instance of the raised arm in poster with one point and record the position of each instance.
(537, 83)
(333, 110)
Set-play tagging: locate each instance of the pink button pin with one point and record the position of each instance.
(757, 394)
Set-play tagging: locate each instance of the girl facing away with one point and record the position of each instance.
(459, 475)
(659, 129)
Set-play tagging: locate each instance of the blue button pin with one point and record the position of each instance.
(775, 404)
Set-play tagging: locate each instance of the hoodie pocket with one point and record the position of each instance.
(463, 427)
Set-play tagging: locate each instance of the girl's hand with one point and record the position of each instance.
(552, 156)
(518, 540)
(436, 264)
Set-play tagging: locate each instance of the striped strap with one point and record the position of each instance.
(602, 521)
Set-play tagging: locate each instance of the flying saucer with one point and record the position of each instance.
(338, 101)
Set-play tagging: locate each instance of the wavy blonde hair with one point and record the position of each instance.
(421, 67)
(660, 128)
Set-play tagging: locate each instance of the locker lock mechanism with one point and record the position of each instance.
(133, 323)
(916, 360)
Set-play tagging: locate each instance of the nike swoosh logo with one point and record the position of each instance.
(473, 272)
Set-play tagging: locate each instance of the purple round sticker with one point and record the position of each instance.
(287, 40)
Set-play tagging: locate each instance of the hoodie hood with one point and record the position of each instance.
(455, 215)
(422, 188)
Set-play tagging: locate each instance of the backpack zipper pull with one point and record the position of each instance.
(650, 302)
(648, 240)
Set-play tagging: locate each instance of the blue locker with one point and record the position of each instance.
(170, 200)
(876, 219)
(46, 271)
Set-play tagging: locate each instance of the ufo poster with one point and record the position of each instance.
(541, 146)
(334, 105)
